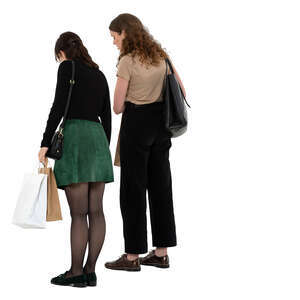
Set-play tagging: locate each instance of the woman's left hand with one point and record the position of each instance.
(42, 155)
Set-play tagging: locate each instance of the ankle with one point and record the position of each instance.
(132, 257)
(161, 252)
(88, 269)
(76, 272)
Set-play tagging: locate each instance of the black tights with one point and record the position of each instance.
(85, 199)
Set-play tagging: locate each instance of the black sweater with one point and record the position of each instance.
(90, 98)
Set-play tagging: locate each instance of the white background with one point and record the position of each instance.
(235, 172)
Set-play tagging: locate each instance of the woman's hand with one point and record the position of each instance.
(42, 155)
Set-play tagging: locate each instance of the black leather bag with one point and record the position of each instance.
(175, 112)
(55, 150)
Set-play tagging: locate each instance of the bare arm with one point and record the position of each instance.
(120, 94)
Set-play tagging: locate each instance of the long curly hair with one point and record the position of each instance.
(72, 45)
(138, 41)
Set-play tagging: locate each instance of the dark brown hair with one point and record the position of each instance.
(72, 45)
(138, 40)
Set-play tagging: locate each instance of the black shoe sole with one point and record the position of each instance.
(92, 283)
(78, 284)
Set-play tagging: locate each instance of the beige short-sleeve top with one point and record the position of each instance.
(144, 87)
(145, 81)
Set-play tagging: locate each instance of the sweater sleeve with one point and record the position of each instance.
(64, 74)
(105, 113)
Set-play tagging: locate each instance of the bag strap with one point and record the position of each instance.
(72, 82)
(164, 86)
(172, 71)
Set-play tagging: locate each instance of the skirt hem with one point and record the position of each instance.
(62, 186)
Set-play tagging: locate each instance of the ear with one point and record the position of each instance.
(62, 55)
(123, 33)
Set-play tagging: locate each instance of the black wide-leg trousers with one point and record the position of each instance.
(144, 158)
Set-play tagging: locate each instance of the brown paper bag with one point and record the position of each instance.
(117, 154)
(53, 204)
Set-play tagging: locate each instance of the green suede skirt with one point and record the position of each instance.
(86, 156)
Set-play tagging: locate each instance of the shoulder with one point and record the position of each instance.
(65, 67)
(65, 64)
(100, 74)
(126, 60)
(101, 78)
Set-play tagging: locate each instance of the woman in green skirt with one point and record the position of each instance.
(86, 164)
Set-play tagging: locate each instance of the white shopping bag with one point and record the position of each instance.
(31, 208)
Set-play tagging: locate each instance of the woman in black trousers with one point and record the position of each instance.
(143, 146)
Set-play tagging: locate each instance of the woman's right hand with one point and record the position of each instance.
(42, 155)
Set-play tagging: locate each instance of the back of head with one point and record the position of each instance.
(73, 47)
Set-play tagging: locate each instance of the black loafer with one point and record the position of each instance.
(91, 279)
(75, 281)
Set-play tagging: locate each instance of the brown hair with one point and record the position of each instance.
(138, 40)
(72, 45)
